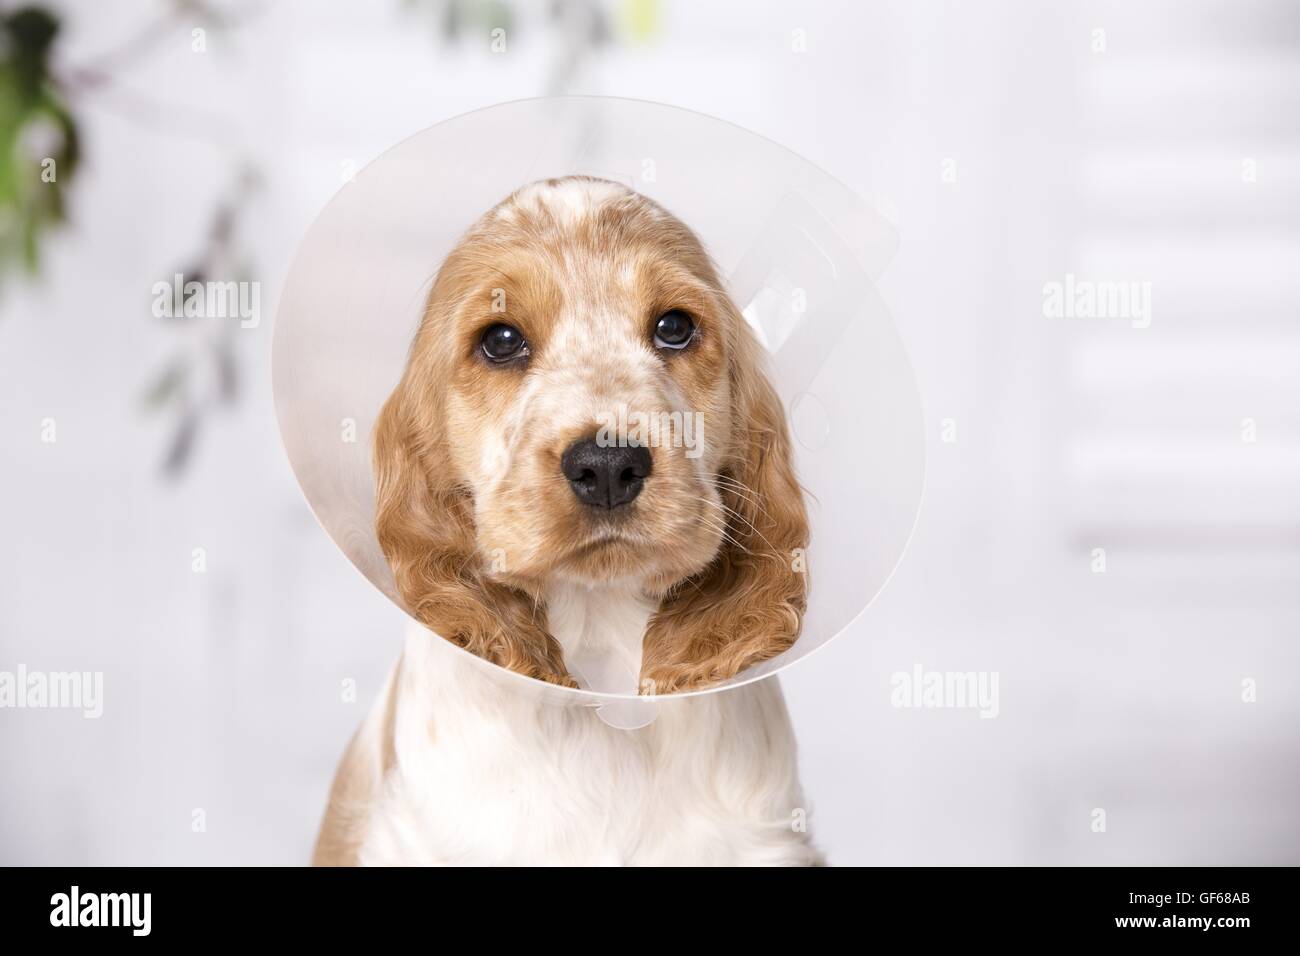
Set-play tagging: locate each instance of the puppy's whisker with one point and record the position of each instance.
(724, 532)
(752, 527)
(759, 512)
(740, 490)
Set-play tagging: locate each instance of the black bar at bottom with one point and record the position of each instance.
(680, 906)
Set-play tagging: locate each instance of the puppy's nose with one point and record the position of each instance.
(605, 477)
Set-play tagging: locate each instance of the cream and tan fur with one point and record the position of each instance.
(699, 577)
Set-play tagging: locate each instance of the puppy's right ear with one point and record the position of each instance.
(425, 524)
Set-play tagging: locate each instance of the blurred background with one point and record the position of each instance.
(1012, 143)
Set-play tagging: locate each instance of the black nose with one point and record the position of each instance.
(605, 477)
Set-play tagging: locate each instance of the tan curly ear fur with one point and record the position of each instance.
(748, 604)
(425, 527)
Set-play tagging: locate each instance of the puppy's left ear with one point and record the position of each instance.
(748, 604)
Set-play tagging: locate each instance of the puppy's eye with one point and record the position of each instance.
(674, 330)
(501, 343)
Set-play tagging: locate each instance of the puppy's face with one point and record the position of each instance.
(583, 402)
(587, 389)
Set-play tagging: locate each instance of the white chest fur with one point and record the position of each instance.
(600, 631)
(477, 774)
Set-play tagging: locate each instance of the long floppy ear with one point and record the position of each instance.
(748, 604)
(426, 529)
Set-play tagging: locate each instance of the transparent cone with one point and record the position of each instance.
(801, 253)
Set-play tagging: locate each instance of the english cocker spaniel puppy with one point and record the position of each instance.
(584, 477)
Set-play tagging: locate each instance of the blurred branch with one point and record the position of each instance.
(581, 27)
(40, 151)
(100, 69)
(184, 120)
(109, 65)
(202, 374)
(39, 144)
(102, 74)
